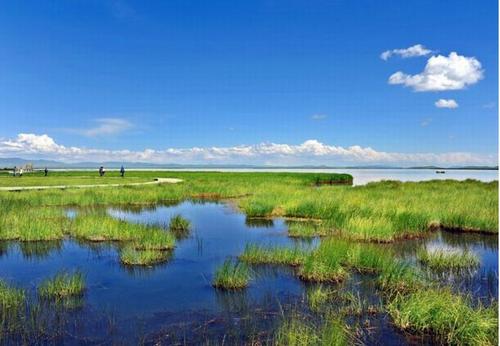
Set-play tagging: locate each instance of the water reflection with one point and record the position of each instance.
(253, 222)
(140, 208)
(38, 250)
(4, 248)
(232, 301)
(97, 249)
(488, 242)
(480, 282)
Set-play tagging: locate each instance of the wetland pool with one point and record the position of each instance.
(174, 302)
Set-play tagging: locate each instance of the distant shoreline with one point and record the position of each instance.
(188, 167)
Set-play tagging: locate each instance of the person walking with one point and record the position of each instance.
(122, 171)
(46, 171)
(15, 171)
(101, 169)
(21, 172)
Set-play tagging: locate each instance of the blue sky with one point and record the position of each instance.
(287, 82)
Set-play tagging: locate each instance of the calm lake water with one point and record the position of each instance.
(364, 176)
(175, 302)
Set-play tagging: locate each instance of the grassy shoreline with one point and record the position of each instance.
(378, 212)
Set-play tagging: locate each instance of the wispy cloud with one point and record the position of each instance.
(30, 145)
(453, 72)
(319, 116)
(490, 105)
(104, 127)
(426, 122)
(121, 9)
(410, 52)
(442, 103)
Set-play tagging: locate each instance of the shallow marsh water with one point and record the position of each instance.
(175, 302)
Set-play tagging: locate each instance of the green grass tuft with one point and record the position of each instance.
(399, 278)
(442, 259)
(178, 223)
(130, 255)
(319, 296)
(255, 254)
(326, 262)
(305, 230)
(102, 227)
(447, 316)
(232, 276)
(155, 239)
(295, 331)
(11, 297)
(62, 285)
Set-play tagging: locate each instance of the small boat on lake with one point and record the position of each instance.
(440, 172)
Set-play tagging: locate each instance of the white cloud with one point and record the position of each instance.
(309, 152)
(319, 116)
(105, 127)
(442, 103)
(453, 72)
(413, 51)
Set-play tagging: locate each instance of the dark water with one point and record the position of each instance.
(175, 303)
(480, 283)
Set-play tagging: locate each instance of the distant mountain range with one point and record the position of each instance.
(40, 164)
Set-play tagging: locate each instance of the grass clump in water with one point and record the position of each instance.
(255, 254)
(322, 270)
(305, 230)
(368, 258)
(102, 227)
(155, 239)
(179, 224)
(296, 331)
(334, 333)
(378, 229)
(330, 261)
(62, 285)
(31, 224)
(13, 305)
(442, 259)
(399, 278)
(232, 275)
(258, 208)
(318, 296)
(10, 297)
(325, 263)
(446, 316)
(130, 255)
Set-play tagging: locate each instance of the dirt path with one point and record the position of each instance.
(156, 181)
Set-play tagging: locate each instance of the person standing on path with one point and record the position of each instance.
(46, 171)
(122, 171)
